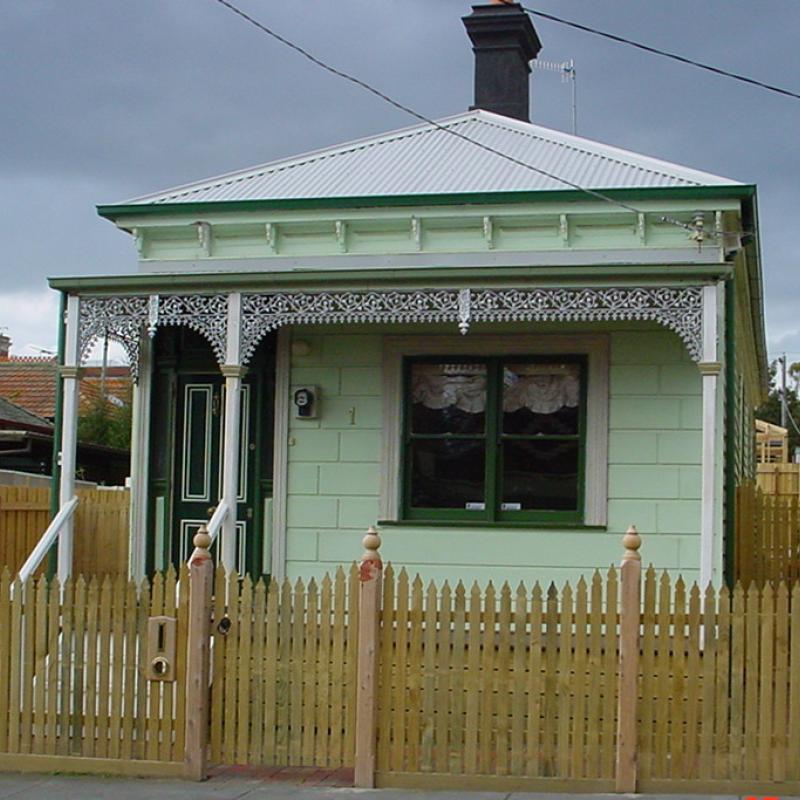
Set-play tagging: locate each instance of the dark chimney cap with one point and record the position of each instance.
(504, 42)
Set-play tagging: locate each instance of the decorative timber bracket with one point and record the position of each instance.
(126, 318)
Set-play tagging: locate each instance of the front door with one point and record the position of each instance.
(197, 482)
(186, 446)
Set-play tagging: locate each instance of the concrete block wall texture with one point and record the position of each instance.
(653, 472)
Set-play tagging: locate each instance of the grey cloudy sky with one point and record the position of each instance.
(101, 101)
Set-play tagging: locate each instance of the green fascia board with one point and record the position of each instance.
(364, 279)
(733, 191)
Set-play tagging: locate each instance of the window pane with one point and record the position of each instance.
(541, 398)
(447, 473)
(540, 475)
(448, 398)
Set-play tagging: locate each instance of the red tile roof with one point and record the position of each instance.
(31, 384)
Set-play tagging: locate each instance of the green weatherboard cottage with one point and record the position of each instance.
(502, 370)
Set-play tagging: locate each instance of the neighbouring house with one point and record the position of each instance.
(26, 445)
(28, 409)
(438, 330)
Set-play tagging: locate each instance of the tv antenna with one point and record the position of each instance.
(567, 71)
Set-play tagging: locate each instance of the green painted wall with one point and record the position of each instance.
(654, 471)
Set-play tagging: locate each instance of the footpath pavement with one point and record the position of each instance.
(243, 786)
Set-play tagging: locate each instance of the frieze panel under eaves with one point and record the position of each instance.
(403, 237)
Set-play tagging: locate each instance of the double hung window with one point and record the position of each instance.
(494, 438)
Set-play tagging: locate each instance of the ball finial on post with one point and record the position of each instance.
(371, 542)
(202, 542)
(631, 541)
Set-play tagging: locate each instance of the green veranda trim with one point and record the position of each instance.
(153, 282)
(734, 191)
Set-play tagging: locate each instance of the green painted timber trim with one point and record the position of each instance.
(367, 279)
(738, 191)
(729, 484)
(55, 469)
(477, 523)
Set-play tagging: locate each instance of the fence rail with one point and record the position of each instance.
(101, 528)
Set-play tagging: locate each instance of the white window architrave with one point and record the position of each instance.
(594, 346)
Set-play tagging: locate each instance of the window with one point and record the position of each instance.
(494, 438)
(495, 429)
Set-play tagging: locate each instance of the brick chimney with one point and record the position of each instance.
(504, 42)
(5, 346)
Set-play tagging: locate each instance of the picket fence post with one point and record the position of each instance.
(201, 576)
(630, 616)
(369, 611)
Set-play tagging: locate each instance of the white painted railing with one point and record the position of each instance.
(47, 539)
(215, 523)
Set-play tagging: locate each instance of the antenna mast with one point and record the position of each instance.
(567, 71)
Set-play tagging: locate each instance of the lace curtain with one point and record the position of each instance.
(540, 388)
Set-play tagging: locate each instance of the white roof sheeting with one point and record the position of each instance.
(425, 160)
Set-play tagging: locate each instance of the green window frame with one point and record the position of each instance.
(496, 443)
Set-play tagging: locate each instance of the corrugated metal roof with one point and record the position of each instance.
(425, 160)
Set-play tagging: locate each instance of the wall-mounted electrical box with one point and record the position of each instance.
(161, 632)
(306, 402)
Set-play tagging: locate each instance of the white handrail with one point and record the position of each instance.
(46, 541)
(217, 518)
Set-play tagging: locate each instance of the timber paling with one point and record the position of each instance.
(472, 686)
(74, 694)
(101, 528)
(509, 688)
(767, 536)
(284, 675)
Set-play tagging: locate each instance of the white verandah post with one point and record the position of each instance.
(233, 371)
(710, 369)
(140, 460)
(69, 433)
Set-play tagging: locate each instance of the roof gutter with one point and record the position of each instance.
(116, 212)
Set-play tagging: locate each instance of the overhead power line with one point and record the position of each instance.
(663, 53)
(422, 118)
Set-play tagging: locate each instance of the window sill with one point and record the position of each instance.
(448, 523)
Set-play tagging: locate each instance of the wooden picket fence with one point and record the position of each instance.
(74, 692)
(512, 688)
(767, 537)
(283, 683)
(101, 528)
(780, 479)
(625, 682)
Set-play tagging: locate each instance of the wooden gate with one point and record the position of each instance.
(74, 688)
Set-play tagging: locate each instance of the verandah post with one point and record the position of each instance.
(630, 615)
(369, 611)
(201, 577)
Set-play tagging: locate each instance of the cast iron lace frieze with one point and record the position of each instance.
(124, 319)
(262, 313)
(206, 314)
(679, 309)
(118, 318)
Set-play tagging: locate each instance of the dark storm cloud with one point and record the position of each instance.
(101, 101)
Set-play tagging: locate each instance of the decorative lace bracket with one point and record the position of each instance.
(678, 309)
(124, 319)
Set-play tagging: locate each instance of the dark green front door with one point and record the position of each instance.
(186, 450)
(198, 474)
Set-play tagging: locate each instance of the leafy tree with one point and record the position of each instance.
(770, 411)
(106, 424)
